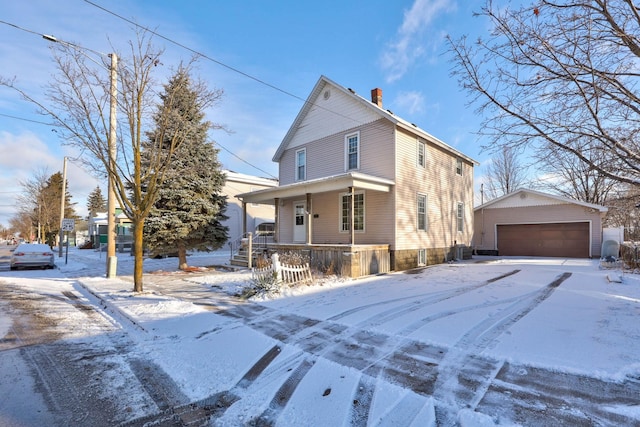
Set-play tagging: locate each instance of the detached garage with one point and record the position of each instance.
(530, 223)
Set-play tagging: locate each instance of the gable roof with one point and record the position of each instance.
(525, 197)
(319, 87)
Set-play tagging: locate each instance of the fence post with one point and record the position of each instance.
(275, 262)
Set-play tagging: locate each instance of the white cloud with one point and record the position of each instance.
(408, 46)
(412, 102)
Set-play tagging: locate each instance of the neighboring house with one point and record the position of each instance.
(531, 223)
(98, 231)
(365, 190)
(254, 214)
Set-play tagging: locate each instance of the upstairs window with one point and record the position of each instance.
(301, 165)
(422, 154)
(459, 166)
(352, 151)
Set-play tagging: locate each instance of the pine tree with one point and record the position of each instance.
(190, 208)
(96, 202)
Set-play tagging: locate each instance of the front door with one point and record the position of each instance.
(299, 228)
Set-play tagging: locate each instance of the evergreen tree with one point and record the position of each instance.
(188, 211)
(46, 213)
(96, 202)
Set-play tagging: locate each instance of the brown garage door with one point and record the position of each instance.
(553, 240)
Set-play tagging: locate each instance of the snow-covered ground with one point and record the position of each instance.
(481, 342)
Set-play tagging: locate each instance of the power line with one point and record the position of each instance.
(222, 64)
(243, 160)
(75, 46)
(26, 120)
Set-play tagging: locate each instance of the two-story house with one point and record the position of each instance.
(365, 190)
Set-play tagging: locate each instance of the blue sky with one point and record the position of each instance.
(397, 46)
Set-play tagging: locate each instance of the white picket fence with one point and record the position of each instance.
(288, 274)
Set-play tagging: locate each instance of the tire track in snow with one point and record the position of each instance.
(212, 406)
(451, 389)
(415, 304)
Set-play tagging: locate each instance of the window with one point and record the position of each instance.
(422, 150)
(459, 166)
(422, 212)
(352, 151)
(301, 165)
(422, 257)
(358, 211)
(460, 216)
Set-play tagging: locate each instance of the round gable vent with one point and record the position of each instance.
(327, 94)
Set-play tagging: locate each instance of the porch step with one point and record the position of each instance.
(240, 262)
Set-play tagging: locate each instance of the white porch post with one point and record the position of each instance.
(309, 229)
(244, 217)
(352, 214)
(276, 231)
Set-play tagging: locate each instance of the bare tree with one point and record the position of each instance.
(624, 212)
(570, 177)
(32, 204)
(80, 95)
(505, 174)
(559, 75)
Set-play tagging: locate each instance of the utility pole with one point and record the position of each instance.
(112, 260)
(62, 197)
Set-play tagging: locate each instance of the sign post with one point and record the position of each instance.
(68, 224)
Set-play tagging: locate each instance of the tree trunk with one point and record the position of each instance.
(182, 257)
(138, 254)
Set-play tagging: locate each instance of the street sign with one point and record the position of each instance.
(68, 224)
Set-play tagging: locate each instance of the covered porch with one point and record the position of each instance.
(325, 232)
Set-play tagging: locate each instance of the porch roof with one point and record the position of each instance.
(320, 185)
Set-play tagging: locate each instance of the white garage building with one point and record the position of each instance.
(531, 223)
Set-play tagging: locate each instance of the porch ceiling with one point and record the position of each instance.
(331, 183)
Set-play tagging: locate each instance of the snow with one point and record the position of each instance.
(586, 326)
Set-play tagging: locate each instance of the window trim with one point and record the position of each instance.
(419, 214)
(459, 166)
(346, 151)
(423, 145)
(422, 257)
(297, 172)
(341, 197)
(460, 217)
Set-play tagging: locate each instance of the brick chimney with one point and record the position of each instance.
(376, 96)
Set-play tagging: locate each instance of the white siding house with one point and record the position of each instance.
(353, 174)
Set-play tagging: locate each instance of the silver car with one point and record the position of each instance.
(32, 255)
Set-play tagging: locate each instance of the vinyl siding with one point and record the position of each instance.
(331, 116)
(326, 156)
(486, 220)
(443, 188)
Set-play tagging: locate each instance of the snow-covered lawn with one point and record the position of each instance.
(466, 342)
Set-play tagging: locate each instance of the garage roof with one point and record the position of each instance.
(526, 197)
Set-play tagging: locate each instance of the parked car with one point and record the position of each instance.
(32, 255)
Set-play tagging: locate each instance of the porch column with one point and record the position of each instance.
(244, 217)
(309, 228)
(276, 224)
(352, 214)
